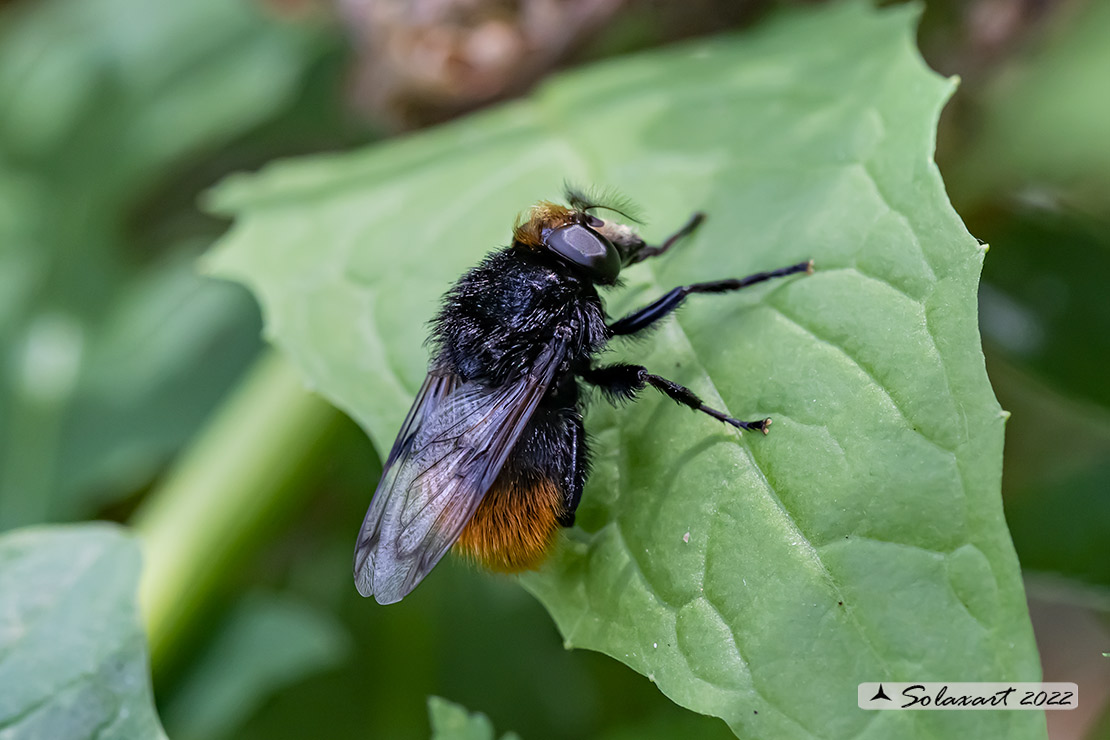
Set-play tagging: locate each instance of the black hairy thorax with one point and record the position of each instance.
(500, 315)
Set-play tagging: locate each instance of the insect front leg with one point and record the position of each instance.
(643, 251)
(623, 382)
(648, 315)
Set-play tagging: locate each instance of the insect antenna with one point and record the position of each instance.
(584, 200)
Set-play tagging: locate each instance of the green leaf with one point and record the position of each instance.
(451, 721)
(756, 579)
(73, 660)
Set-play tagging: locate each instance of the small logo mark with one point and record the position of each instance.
(881, 694)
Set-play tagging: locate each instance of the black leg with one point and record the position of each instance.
(574, 477)
(648, 315)
(646, 250)
(623, 382)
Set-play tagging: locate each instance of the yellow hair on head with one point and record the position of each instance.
(543, 215)
(514, 526)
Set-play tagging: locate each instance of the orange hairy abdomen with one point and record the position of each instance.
(514, 526)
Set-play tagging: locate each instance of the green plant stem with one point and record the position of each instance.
(247, 466)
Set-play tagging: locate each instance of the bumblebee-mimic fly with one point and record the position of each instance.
(493, 456)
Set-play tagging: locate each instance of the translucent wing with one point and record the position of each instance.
(449, 451)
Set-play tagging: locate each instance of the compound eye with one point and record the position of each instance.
(587, 249)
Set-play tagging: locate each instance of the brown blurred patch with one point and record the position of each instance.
(974, 38)
(421, 61)
(424, 61)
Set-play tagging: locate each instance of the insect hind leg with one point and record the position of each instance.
(623, 382)
(576, 470)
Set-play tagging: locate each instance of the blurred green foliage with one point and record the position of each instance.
(113, 350)
(114, 356)
(267, 642)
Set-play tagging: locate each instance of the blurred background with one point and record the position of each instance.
(116, 357)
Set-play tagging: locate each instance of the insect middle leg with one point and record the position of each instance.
(648, 315)
(623, 382)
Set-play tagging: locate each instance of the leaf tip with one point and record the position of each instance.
(225, 197)
(208, 264)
